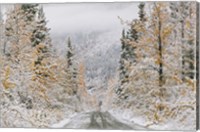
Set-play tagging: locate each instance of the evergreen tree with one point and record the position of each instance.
(30, 11)
(132, 33)
(128, 56)
(128, 49)
(70, 59)
(41, 32)
(141, 13)
(154, 81)
(41, 42)
(122, 68)
(190, 25)
(69, 53)
(180, 12)
(71, 68)
(42, 58)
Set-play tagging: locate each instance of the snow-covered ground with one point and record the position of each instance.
(97, 120)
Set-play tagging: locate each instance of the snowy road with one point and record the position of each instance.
(97, 120)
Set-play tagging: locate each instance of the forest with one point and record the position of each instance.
(147, 81)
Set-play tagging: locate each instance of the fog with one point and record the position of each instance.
(83, 17)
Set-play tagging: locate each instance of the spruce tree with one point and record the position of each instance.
(190, 42)
(41, 32)
(71, 69)
(30, 11)
(69, 53)
(40, 37)
(141, 13)
(42, 57)
(128, 51)
(128, 57)
(70, 59)
(132, 33)
(122, 69)
(180, 12)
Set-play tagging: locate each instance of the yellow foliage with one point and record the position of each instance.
(81, 78)
(32, 65)
(177, 79)
(40, 46)
(166, 32)
(183, 92)
(34, 78)
(6, 83)
(148, 40)
(160, 107)
(53, 66)
(190, 82)
(188, 25)
(157, 61)
(35, 53)
(156, 117)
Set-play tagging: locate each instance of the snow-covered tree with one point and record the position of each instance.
(28, 71)
(42, 58)
(71, 69)
(41, 32)
(69, 53)
(181, 12)
(123, 71)
(30, 11)
(128, 51)
(155, 79)
(142, 14)
(15, 30)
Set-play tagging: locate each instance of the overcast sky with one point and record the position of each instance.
(70, 18)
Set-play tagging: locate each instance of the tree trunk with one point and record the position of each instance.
(182, 49)
(4, 48)
(160, 54)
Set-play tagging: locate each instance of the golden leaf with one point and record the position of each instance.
(167, 31)
(177, 79)
(53, 67)
(7, 73)
(7, 84)
(156, 117)
(40, 46)
(190, 82)
(188, 24)
(183, 92)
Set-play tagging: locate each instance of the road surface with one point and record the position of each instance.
(99, 120)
